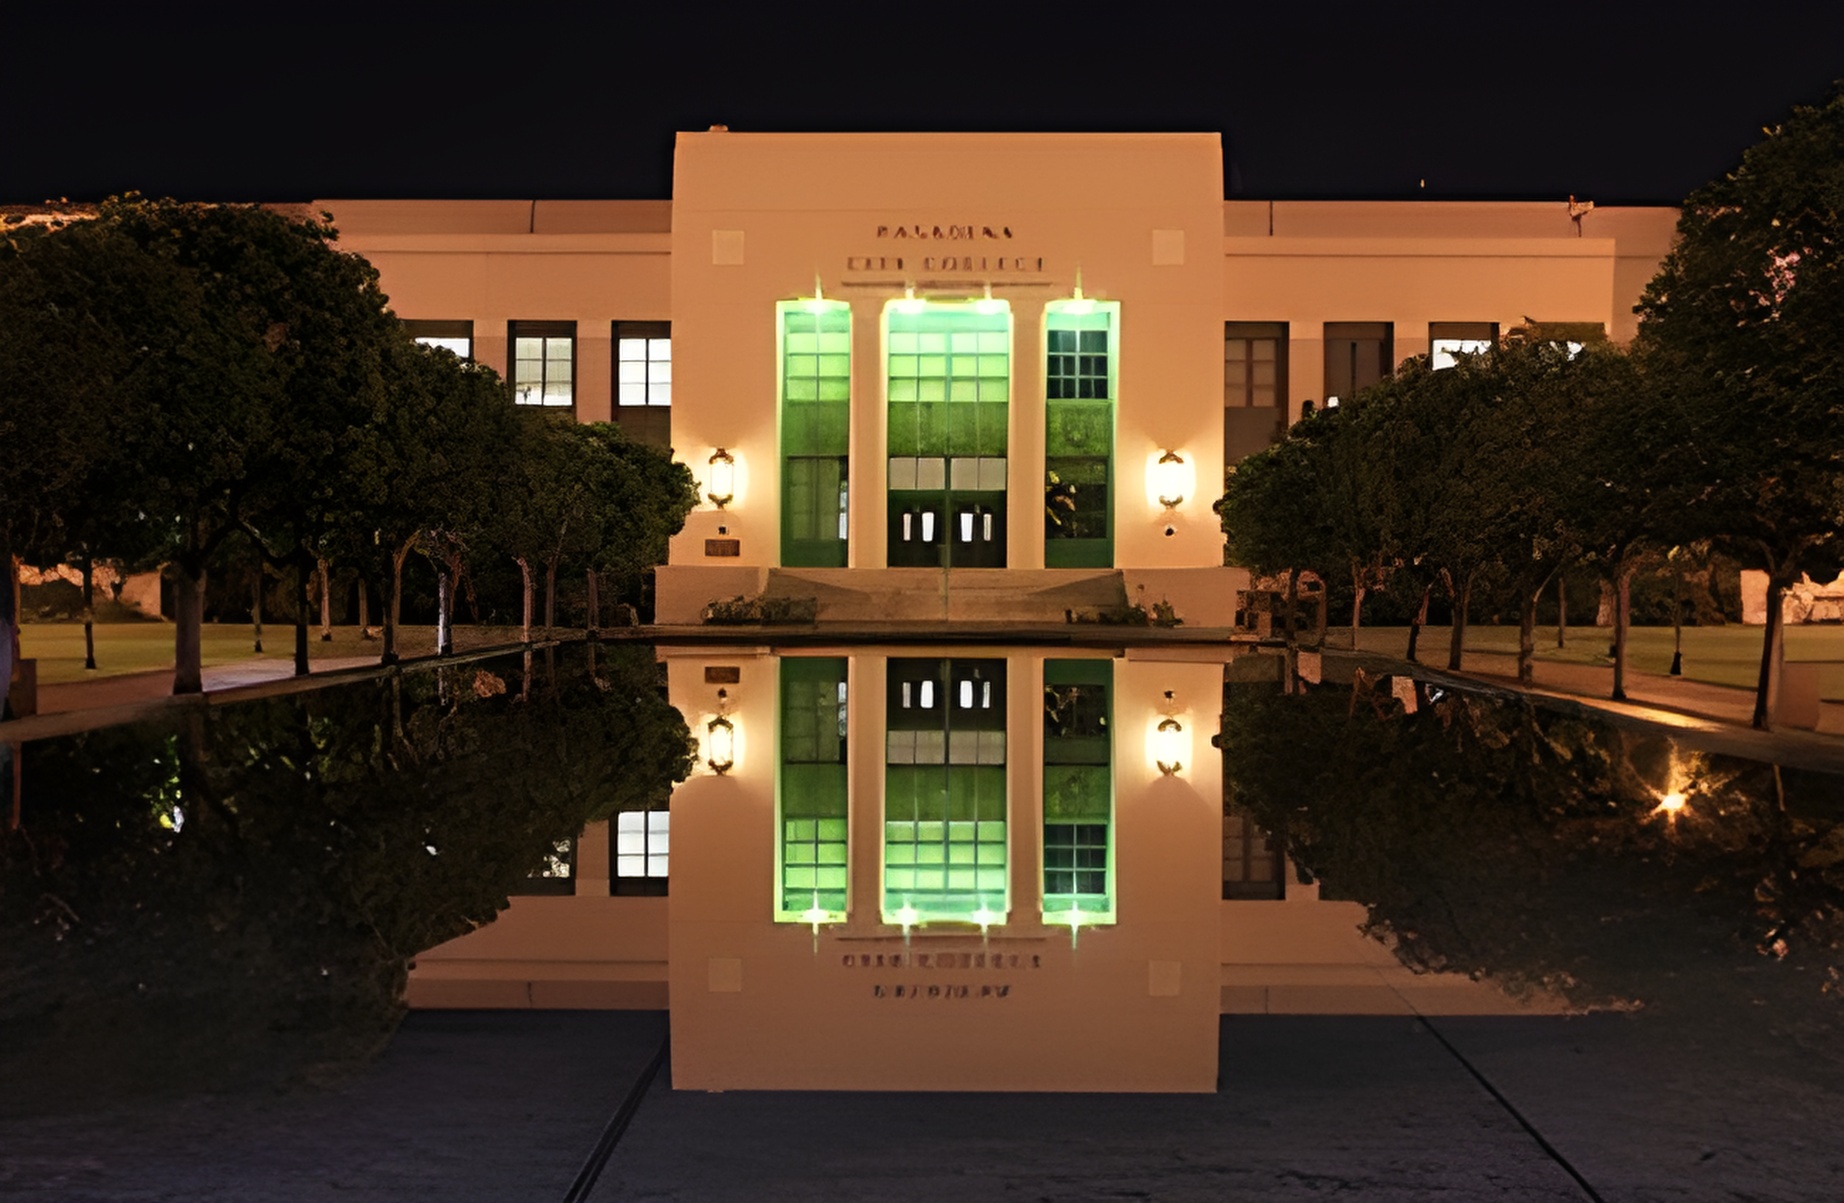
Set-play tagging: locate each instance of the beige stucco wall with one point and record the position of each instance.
(1307, 263)
(494, 262)
(763, 218)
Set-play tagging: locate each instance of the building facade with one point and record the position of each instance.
(949, 395)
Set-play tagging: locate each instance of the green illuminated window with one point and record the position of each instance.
(1079, 387)
(816, 394)
(944, 791)
(1078, 791)
(813, 796)
(948, 377)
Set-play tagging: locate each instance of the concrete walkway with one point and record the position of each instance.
(501, 1107)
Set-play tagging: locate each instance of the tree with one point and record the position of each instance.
(587, 495)
(436, 460)
(1743, 330)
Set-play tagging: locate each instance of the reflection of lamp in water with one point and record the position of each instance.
(1171, 745)
(720, 744)
(722, 489)
(1173, 479)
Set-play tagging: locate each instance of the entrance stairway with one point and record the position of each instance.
(929, 595)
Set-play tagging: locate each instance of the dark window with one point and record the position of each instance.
(555, 873)
(1252, 865)
(1078, 365)
(450, 336)
(1357, 355)
(543, 363)
(1078, 789)
(1254, 387)
(643, 381)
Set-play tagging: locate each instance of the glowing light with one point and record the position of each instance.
(1170, 479)
(720, 744)
(1171, 746)
(985, 917)
(1671, 803)
(910, 303)
(907, 917)
(722, 487)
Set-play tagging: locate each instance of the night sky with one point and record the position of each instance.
(1536, 100)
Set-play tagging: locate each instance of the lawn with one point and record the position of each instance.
(132, 647)
(1729, 655)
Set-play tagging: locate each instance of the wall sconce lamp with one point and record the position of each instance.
(1173, 478)
(723, 478)
(720, 739)
(1170, 743)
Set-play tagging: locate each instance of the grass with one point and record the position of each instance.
(1728, 655)
(133, 647)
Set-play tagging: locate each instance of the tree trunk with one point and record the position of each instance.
(1357, 601)
(326, 603)
(1773, 657)
(1622, 617)
(595, 607)
(525, 581)
(550, 598)
(302, 568)
(9, 630)
(1420, 620)
(364, 610)
(1290, 610)
(89, 611)
(441, 611)
(1462, 602)
(256, 609)
(457, 580)
(393, 614)
(1527, 637)
(1562, 611)
(188, 617)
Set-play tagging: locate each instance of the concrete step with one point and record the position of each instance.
(934, 595)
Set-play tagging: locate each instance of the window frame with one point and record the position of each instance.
(546, 332)
(423, 330)
(648, 422)
(645, 885)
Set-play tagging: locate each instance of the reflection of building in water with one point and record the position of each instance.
(950, 394)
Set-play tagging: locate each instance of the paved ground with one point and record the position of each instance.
(510, 1106)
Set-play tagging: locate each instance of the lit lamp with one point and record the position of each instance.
(722, 489)
(1171, 745)
(1173, 479)
(721, 745)
(720, 739)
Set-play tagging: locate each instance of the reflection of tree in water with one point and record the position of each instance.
(1488, 838)
(275, 864)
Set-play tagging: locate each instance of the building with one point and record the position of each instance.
(953, 392)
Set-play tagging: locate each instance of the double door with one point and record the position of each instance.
(947, 512)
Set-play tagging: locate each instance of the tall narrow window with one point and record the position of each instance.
(642, 850)
(944, 791)
(1252, 867)
(816, 403)
(1447, 341)
(1357, 355)
(1078, 792)
(949, 385)
(457, 337)
(812, 789)
(1081, 351)
(543, 363)
(1254, 387)
(643, 381)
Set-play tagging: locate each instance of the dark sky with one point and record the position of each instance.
(1613, 102)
